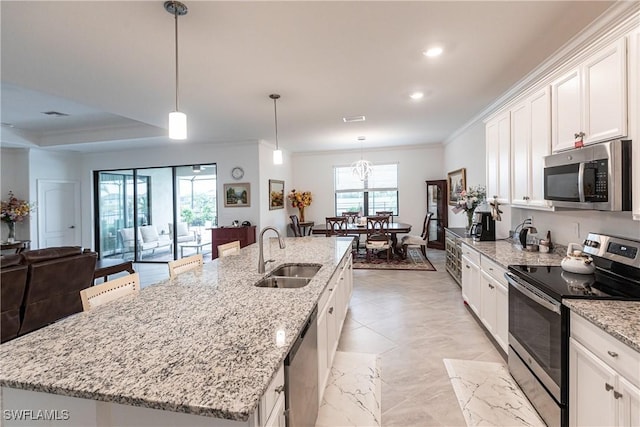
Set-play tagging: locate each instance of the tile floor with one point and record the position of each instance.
(413, 320)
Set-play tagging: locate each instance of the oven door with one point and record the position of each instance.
(536, 329)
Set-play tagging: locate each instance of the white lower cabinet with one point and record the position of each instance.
(278, 417)
(471, 278)
(604, 378)
(332, 310)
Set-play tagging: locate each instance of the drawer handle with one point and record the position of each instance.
(491, 286)
(617, 395)
(612, 353)
(608, 387)
(330, 289)
(279, 389)
(467, 266)
(330, 310)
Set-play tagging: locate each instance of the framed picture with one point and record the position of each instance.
(276, 194)
(456, 183)
(237, 195)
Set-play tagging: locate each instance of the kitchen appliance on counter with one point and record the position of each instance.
(539, 323)
(483, 227)
(596, 177)
(577, 261)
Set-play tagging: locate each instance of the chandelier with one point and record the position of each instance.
(362, 168)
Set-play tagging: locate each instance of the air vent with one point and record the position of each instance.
(353, 119)
(55, 113)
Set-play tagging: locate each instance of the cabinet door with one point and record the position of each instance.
(628, 404)
(488, 302)
(278, 417)
(566, 110)
(492, 144)
(471, 284)
(502, 316)
(540, 118)
(591, 383)
(605, 93)
(332, 327)
(498, 140)
(634, 110)
(323, 365)
(520, 145)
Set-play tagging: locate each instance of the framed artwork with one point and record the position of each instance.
(276, 194)
(456, 183)
(237, 195)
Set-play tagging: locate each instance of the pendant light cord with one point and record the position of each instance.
(175, 14)
(275, 113)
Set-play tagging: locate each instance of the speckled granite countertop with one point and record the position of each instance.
(620, 319)
(204, 343)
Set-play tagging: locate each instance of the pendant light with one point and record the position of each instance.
(177, 119)
(277, 154)
(362, 168)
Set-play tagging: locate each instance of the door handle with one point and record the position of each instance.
(608, 387)
(617, 395)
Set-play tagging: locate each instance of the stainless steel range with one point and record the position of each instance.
(539, 323)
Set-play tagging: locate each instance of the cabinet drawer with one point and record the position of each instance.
(614, 353)
(270, 397)
(493, 269)
(471, 254)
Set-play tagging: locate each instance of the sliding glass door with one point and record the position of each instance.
(136, 210)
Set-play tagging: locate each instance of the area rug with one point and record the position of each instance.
(353, 392)
(488, 395)
(415, 261)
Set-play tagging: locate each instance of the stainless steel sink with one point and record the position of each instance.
(296, 270)
(283, 282)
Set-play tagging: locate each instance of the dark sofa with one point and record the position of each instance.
(54, 279)
(13, 280)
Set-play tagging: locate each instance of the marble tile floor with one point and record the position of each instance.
(352, 394)
(489, 396)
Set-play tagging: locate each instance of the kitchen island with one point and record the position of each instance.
(206, 343)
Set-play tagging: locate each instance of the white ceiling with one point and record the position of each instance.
(110, 66)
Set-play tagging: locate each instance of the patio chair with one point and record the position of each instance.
(111, 290)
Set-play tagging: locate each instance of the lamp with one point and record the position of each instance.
(177, 119)
(362, 168)
(277, 154)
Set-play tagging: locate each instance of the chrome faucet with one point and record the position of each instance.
(261, 261)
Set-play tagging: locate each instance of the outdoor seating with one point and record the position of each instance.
(148, 240)
(183, 234)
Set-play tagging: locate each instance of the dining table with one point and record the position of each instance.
(395, 228)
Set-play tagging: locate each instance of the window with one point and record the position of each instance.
(377, 193)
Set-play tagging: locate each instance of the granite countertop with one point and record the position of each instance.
(621, 319)
(203, 343)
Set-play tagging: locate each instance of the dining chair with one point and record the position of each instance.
(184, 264)
(336, 226)
(110, 290)
(420, 240)
(231, 248)
(378, 235)
(295, 226)
(385, 213)
(352, 218)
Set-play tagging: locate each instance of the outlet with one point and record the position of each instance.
(575, 227)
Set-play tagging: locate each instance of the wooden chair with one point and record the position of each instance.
(385, 213)
(352, 218)
(231, 248)
(336, 226)
(420, 240)
(111, 290)
(378, 235)
(184, 264)
(295, 226)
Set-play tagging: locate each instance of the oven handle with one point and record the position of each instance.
(533, 294)
(581, 182)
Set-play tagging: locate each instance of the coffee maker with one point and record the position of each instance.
(484, 226)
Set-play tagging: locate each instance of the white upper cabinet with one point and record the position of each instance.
(498, 146)
(634, 112)
(530, 142)
(591, 99)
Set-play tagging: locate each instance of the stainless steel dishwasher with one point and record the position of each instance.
(301, 376)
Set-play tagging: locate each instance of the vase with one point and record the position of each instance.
(11, 237)
(301, 212)
(469, 222)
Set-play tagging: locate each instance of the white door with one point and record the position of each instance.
(58, 213)
(566, 110)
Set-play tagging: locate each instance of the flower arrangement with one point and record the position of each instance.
(300, 200)
(14, 209)
(469, 201)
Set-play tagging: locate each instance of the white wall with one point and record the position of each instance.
(15, 177)
(277, 218)
(314, 172)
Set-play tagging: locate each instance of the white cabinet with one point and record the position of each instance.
(494, 309)
(332, 310)
(634, 111)
(604, 378)
(592, 98)
(488, 302)
(278, 417)
(471, 278)
(272, 401)
(530, 142)
(498, 142)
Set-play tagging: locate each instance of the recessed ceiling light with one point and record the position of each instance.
(362, 138)
(433, 52)
(55, 113)
(417, 95)
(354, 119)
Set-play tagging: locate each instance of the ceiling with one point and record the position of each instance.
(110, 66)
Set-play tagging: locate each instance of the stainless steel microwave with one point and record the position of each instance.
(596, 177)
